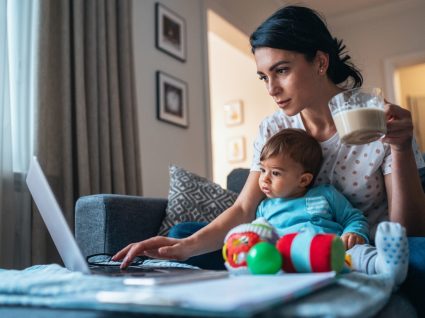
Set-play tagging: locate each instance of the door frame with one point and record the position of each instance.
(390, 67)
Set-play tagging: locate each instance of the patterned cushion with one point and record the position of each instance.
(192, 198)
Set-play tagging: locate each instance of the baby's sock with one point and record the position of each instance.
(392, 251)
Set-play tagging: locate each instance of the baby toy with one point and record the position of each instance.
(264, 258)
(241, 239)
(257, 249)
(307, 252)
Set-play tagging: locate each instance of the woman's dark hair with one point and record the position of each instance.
(301, 29)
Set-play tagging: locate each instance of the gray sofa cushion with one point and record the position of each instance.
(236, 179)
(193, 198)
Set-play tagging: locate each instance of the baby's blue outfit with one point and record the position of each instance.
(323, 209)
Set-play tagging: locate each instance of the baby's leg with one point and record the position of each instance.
(389, 257)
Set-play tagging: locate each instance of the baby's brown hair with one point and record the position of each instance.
(298, 145)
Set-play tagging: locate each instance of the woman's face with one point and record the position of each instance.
(290, 79)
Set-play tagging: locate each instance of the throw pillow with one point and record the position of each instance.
(192, 198)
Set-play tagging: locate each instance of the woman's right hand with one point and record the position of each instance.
(155, 247)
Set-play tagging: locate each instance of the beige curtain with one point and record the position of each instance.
(17, 34)
(86, 127)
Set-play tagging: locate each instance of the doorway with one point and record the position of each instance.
(411, 94)
(405, 86)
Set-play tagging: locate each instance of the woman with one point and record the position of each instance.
(302, 67)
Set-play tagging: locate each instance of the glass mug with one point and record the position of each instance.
(359, 115)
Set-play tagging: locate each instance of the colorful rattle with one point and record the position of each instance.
(240, 241)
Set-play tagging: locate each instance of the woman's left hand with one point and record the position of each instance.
(399, 127)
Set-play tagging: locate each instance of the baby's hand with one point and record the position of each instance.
(351, 239)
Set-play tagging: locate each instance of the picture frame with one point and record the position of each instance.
(236, 149)
(170, 32)
(172, 100)
(233, 113)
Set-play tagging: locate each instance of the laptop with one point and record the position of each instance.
(72, 257)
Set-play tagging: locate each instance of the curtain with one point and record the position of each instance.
(17, 47)
(86, 136)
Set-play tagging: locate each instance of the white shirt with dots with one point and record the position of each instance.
(355, 170)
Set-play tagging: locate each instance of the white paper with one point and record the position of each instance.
(242, 293)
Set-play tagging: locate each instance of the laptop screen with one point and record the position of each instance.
(53, 217)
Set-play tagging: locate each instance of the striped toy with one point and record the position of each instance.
(307, 252)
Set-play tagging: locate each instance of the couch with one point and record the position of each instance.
(105, 223)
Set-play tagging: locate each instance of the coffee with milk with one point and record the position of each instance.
(359, 115)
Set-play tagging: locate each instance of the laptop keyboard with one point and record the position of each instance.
(151, 263)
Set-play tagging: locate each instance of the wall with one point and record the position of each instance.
(233, 77)
(245, 15)
(163, 144)
(377, 34)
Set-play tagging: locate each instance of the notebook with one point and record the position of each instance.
(151, 273)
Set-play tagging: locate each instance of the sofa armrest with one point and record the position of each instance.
(105, 223)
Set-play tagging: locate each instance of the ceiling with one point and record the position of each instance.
(332, 8)
(256, 11)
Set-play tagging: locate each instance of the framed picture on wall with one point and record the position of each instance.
(171, 100)
(233, 114)
(170, 32)
(236, 149)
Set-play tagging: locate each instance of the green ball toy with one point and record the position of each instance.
(264, 258)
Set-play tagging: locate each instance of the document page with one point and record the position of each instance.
(246, 293)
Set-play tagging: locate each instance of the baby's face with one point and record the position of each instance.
(281, 177)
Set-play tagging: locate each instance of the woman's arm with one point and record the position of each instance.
(406, 199)
(207, 239)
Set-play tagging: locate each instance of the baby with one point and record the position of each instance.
(290, 160)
